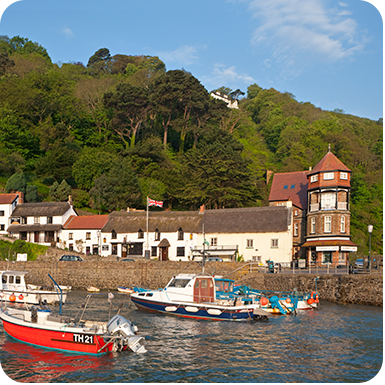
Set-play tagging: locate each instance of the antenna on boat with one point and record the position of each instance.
(61, 293)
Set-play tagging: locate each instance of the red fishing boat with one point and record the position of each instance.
(39, 327)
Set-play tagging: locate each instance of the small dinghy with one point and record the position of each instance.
(127, 290)
(93, 289)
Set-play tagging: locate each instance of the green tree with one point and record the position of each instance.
(17, 182)
(31, 194)
(60, 192)
(117, 189)
(216, 174)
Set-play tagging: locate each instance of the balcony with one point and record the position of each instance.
(340, 206)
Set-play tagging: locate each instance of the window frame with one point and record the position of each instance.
(327, 224)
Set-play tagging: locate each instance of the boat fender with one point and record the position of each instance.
(12, 298)
(21, 297)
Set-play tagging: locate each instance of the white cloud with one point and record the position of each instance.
(228, 77)
(184, 55)
(68, 32)
(305, 26)
(4, 4)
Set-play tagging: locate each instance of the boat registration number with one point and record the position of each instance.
(83, 338)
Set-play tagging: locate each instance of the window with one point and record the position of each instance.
(328, 224)
(344, 175)
(49, 220)
(274, 243)
(37, 220)
(312, 226)
(2, 227)
(180, 251)
(154, 249)
(313, 178)
(213, 242)
(157, 235)
(23, 220)
(1, 213)
(343, 227)
(328, 175)
(249, 243)
(49, 236)
(113, 234)
(180, 235)
(296, 228)
(328, 201)
(140, 234)
(71, 247)
(71, 236)
(23, 235)
(296, 213)
(88, 235)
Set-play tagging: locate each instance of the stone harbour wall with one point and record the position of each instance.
(108, 274)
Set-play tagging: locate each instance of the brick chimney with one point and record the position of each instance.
(21, 197)
(70, 200)
(202, 209)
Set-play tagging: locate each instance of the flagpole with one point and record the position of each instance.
(147, 248)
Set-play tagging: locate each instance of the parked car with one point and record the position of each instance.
(359, 264)
(127, 260)
(70, 258)
(214, 259)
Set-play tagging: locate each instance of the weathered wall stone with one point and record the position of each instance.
(108, 274)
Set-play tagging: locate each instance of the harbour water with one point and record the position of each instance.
(339, 343)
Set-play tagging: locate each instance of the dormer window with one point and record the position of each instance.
(344, 175)
(37, 220)
(329, 176)
(113, 234)
(313, 178)
(140, 234)
(157, 235)
(180, 234)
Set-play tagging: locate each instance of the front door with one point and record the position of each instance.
(204, 290)
(36, 236)
(164, 253)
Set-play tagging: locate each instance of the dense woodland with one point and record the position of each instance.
(122, 127)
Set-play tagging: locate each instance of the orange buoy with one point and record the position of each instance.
(12, 297)
(263, 301)
(310, 301)
(288, 300)
(21, 297)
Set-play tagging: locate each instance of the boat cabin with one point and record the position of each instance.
(191, 287)
(12, 280)
(224, 287)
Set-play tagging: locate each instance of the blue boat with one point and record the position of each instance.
(194, 296)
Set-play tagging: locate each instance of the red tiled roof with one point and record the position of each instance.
(329, 163)
(290, 185)
(85, 222)
(6, 199)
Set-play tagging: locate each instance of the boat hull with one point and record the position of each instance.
(77, 342)
(32, 297)
(197, 310)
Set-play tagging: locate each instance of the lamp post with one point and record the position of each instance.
(370, 229)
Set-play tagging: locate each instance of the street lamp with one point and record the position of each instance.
(370, 229)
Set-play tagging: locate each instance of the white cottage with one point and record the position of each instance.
(39, 222)
(8, 203)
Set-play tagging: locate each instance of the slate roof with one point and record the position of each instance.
(44, 209)
(240, 220)
(329, 163)
(7, 199)
(290, 185)
(85, 222)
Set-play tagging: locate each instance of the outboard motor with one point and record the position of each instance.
(119, 326)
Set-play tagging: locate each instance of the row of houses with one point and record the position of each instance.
(308, 217)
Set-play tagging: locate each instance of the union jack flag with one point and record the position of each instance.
(153, 202)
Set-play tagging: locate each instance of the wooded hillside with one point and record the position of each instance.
(121, 128)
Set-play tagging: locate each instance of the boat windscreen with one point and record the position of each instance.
(178, 282)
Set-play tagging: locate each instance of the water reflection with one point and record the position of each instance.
(324, 346)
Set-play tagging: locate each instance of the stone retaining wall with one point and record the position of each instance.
(108, 274)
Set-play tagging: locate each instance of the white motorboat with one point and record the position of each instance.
(13, 288)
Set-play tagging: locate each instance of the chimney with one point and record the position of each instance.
(21, 197)
(70, 200)
(202, 209)
(310, 168)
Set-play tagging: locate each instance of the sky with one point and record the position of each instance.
(326, 52)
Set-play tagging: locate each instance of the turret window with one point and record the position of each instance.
(312, 226)
(328, 224)
(328, 201)
(329, 175)
(343, 225)
(344, 175)
(313, 178)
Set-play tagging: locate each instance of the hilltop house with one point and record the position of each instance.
(230, 102)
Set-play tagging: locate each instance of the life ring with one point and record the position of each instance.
(21, 297)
